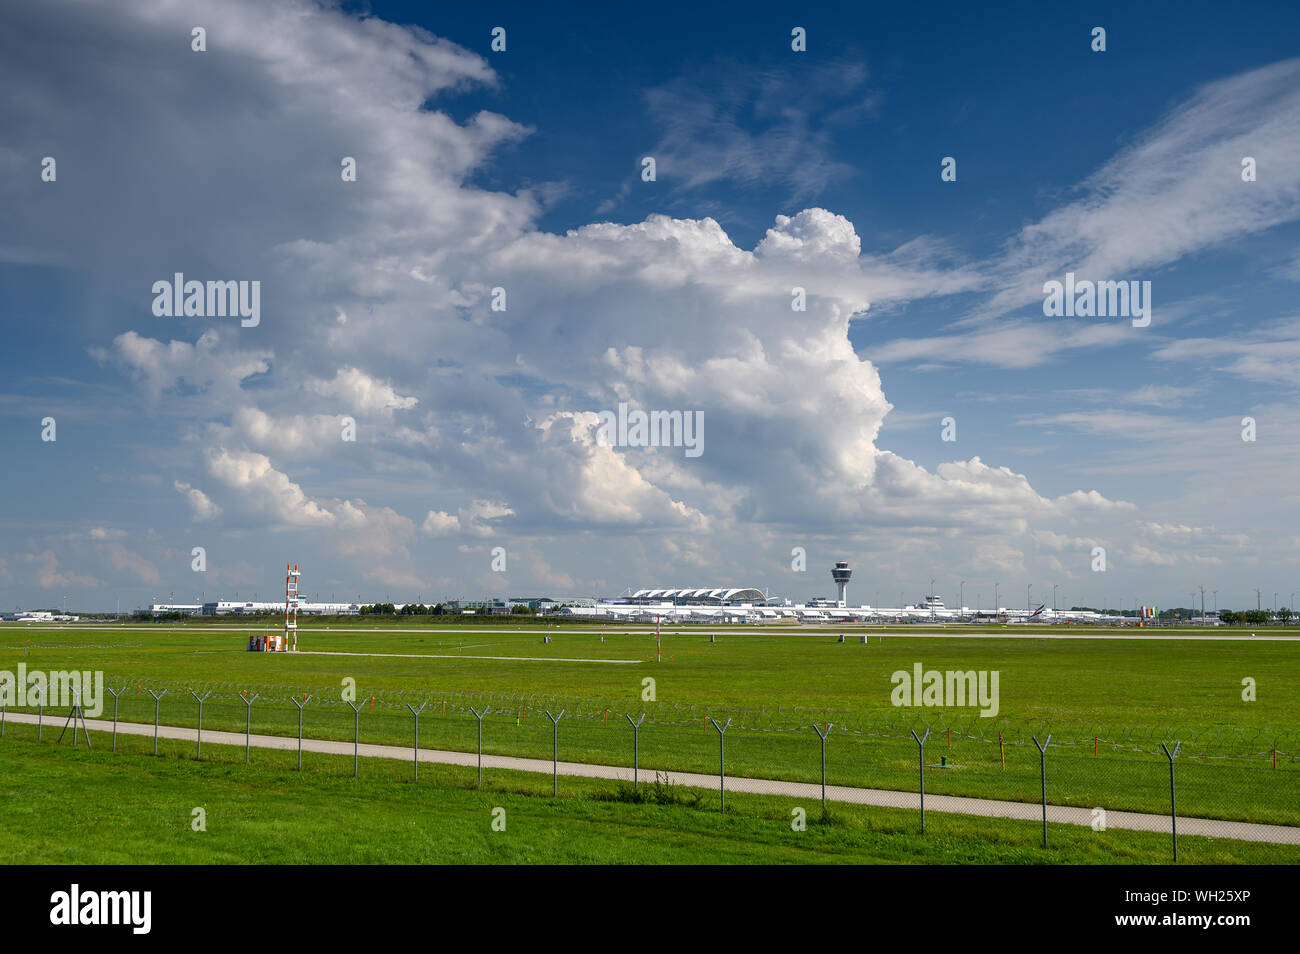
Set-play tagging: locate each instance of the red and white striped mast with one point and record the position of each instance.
(291, 575)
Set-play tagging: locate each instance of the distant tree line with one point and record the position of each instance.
(420, 609)
(1176, 612)
(373, 609)
(1256, 617)
(148, 616)
(390, 609)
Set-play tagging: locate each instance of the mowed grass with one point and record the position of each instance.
(1132, 692)
(1192, 683)
(73, 806)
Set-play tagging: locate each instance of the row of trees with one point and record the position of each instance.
(1176, 612)
(420, 609)
(376, 609)
(1256, 617)
(410, 609)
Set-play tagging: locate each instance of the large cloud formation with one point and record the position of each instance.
(471, 422)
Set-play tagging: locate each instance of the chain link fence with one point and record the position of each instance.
(1224, 778)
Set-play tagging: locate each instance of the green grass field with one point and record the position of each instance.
(129, 808)
(1127, 695)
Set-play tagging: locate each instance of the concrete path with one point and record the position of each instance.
(612, 662)
(951, 804)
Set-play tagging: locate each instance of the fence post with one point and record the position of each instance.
(480, 716)
(40, 714)
(356, 735)
(200, 699)
(73, 716)
(294, 700)
(822, 735)
(115, 696)
(1173, 805)
(920, 748)
(636, 730)
(5, 686)
(1042, 771)
(157, 701)
(555, 751)
(248, 723)
(416, 751)
(722, 760)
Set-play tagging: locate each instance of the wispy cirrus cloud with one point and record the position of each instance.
(1011, 344)
(1175, 191)
(1269, 354)
(770, 126)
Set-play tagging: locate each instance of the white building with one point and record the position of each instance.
(251, 608)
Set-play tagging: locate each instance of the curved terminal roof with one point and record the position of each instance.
(733, 594)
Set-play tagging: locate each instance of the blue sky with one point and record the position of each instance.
(521, 170)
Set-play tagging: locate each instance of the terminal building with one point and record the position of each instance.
(252, 608)
(747, 604)
(38, 616)
(700, 596)
(691, 604)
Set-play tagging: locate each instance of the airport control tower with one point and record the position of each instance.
(841, 574)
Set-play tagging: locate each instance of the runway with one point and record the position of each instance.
(563, 659)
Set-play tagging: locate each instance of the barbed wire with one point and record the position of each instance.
(1200, 742)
